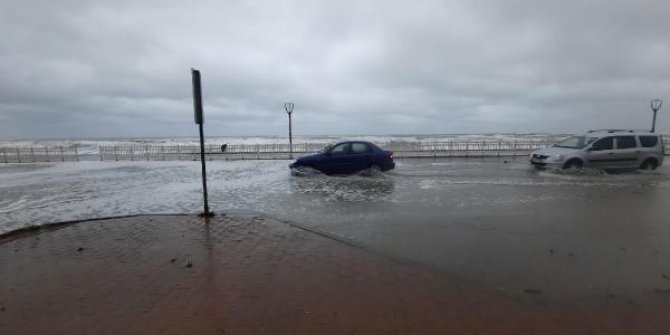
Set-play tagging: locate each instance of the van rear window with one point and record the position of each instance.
(626, 142)
(648, 141)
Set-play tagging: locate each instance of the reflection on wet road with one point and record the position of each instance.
(500, 222)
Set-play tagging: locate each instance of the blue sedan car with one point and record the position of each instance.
(347, 158)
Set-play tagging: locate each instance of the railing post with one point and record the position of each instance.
(162, 153)
(515, 148)
(18, 155)
(32, 154)
(46, 149)
(76, 153)
(4, 155)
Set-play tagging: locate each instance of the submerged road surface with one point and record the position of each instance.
(530, 233)
(497, 221)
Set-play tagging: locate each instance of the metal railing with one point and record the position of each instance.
(38, 154)
(401, 149)
(460, 148)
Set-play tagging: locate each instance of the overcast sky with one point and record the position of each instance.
(91, 69)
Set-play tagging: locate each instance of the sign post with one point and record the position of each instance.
(199, 120)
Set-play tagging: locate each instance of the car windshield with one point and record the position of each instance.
(327, 148)
(575, 142)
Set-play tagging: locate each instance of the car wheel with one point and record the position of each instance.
(572, 165)
(649, 164)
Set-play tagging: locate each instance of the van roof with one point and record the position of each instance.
(619, 132)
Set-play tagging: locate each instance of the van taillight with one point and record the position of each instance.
(390, 154)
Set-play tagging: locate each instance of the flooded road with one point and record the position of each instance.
(532, 234)
(500, 222)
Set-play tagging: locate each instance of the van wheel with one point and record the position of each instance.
(649, 164)
(573, 164)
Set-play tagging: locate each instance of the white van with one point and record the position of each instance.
(605, 149)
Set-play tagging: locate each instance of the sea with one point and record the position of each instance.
(91, 146)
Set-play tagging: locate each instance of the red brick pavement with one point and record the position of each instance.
(253, 275)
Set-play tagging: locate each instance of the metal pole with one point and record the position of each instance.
(204, 171)
(199, 120)
(655, 105)
(290, 137)
(289, 109)
(653, 123)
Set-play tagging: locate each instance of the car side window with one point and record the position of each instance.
(606, 143)
(360, 148)
(626, 142)
(648, 141)
(340, 149)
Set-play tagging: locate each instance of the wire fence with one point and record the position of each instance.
(453, 148)
(39, 154)
(212, 152)
(447, 148)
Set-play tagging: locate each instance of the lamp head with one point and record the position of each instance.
(656, 104)
(289, 107)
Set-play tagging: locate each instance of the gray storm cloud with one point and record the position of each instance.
(121, 68)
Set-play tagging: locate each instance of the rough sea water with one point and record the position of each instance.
(91, 146)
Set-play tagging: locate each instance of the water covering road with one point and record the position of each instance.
(494, 221)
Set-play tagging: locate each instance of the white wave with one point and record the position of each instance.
(88, 146)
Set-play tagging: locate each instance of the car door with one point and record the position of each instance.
(601, 153)
(337, 160)
(627, 152)
(361, 155)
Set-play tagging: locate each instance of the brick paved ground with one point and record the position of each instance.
(253, 275)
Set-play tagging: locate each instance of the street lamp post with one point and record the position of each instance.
(655, 106)
(289, 109)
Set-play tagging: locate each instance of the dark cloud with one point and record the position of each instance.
(121, 68)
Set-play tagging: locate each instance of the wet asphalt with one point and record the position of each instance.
(498, 221)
